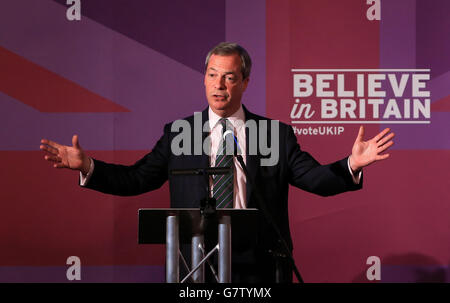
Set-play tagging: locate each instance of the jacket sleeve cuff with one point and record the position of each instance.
(84, 179)
(356, 177)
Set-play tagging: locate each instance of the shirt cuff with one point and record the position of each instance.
(84, 179)
(356, 178)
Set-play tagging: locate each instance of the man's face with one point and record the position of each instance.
(224, 84)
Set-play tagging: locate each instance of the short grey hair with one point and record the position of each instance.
(228, 48)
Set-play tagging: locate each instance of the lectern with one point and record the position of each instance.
(173, 226)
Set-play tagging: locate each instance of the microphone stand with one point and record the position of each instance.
(207, 206)
(269, 218)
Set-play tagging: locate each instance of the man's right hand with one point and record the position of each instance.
(64, 156)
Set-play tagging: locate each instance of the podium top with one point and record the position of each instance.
(152, 224)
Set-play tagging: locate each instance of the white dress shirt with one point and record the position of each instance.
(237, 121)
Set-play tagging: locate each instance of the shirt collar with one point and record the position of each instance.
(237, 119)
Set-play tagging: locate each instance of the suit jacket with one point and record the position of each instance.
(295, 167)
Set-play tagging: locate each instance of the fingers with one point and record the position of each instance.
(381, 134)
(75, 142)
(360, 134)
(49, 149)
(57, 161)
(50, 143)
(52, 148)
(382, 157)
(385, 146)
(384, 142)
(386, 139)
(52, 158)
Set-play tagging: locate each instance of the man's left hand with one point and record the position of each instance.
(367, 152)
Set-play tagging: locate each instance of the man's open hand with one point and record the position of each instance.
(367, 152)
(64, 156)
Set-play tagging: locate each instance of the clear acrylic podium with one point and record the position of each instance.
(173, 226)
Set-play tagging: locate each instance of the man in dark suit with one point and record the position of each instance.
(226, 78)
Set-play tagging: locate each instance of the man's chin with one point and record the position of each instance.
(222, 111)
(220, 105)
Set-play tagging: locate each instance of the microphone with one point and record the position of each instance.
(237, 151)
(226, 133)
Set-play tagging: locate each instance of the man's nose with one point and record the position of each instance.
(219, 83)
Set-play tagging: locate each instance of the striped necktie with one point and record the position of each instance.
(223, 184)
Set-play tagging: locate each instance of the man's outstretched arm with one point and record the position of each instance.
(148, 173)
(334, 178)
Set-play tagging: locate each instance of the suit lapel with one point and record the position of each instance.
(252, 161)
(205, 158)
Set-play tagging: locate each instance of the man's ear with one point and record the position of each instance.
(246, 80)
